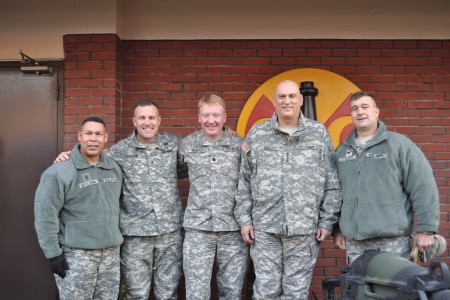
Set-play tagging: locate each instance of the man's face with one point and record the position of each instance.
(288, 100)
(92, 138)
(365, 115)
(212, 117)
(146, 120)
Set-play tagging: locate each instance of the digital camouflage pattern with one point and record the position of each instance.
(399, 245)
(199, 251)
(151, 203)
(211, 228)
(151, 209)
(92, 274)
(213, 177)
(143, 255)
(288, 187)
(288, 184)
(283, 265)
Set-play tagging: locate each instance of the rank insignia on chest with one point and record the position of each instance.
(244, 146)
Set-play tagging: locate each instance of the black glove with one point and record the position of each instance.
(59, 265)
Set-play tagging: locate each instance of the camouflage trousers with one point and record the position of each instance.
(151, 256)
(283, 265)
(92, 274)
(399, 245)
(200, 249)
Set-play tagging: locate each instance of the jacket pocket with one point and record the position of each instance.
(381, 219)
(96, 234)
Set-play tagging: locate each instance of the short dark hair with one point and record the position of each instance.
(359, 94)
(94, 119)
(146, 102)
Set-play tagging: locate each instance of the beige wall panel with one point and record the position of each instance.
(287, 19)
(37, 27)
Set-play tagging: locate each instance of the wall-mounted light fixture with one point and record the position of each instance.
(31, 66)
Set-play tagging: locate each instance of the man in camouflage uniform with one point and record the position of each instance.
(385, 180)
(77, 218)
(288, 196)
(213, 158)
(151, 210)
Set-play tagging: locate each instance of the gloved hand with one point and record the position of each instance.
(59, 265)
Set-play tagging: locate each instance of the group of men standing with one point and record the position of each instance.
(279, 193)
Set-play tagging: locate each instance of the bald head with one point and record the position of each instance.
(287, 101)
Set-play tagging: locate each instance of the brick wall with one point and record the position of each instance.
(92, 83)
(411, 78)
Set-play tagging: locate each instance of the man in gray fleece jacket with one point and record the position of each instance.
(386, 180)
(77, 218)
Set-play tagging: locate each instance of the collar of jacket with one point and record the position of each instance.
(224, 140)
(81, 162)
(302, 124)
(157, 144)
(380, 136)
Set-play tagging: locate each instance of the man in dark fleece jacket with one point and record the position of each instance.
(385, 180)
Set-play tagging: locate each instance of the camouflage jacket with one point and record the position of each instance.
(213, 176)
(150, 204)
(288, 184)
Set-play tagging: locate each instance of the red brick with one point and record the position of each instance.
(76, 39)
(79, 92)
(430, 44)
(319, 52)
(303, 44)
(209, 44)
(283, 60)
(90, 47)
(171, 52)
(369, 53)
(103, 73)
(77, 56)
(333, 60)
(102, 110)
(104, 56)
(78, 110)
(86, 101)
(90, 65)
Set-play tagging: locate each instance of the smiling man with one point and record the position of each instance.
(213, 157)
(288, 197)
(151, 210)
(385, 180)
(77, 218)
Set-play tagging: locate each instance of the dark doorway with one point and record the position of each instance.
(30, 126)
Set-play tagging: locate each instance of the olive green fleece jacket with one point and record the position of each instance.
(384, 186)
(77, 205)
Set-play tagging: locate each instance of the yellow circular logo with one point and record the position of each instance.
(332, 101)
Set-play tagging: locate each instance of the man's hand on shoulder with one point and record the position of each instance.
(63, 156)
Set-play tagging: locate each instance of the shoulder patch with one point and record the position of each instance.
(244, 146)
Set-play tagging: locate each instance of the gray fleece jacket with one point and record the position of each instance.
(384, 186)
(77, 205)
